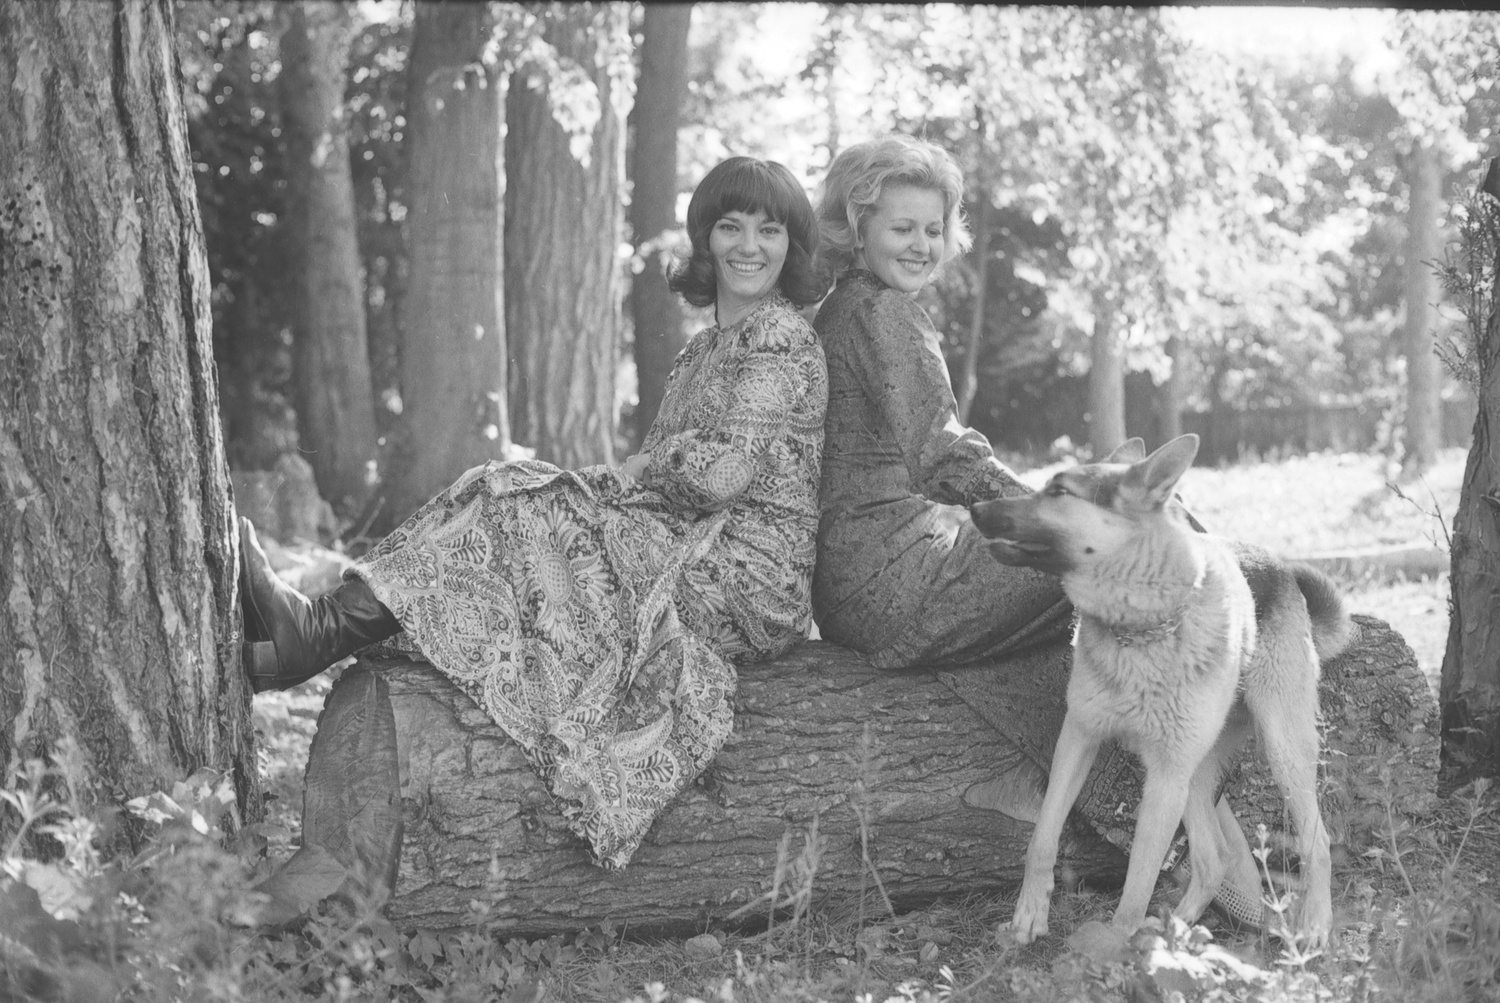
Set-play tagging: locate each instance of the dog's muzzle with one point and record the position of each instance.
(992, 519)
(1011, 542)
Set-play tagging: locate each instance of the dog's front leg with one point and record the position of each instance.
(1163, 797)
(1071, 759)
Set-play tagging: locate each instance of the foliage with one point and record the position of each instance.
(1471, 278)
(179, 920)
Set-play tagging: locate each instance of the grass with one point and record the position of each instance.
(1418, 915)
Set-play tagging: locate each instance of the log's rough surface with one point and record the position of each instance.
(928, 780)
(480, 826)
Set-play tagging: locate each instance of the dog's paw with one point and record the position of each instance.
(1029, 922)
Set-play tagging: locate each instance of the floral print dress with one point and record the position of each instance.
(597, 618)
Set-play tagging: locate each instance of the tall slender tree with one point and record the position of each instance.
(453, 364)
(564, 166)
(335, 405)
(655, 315)
(1424, 418)
(117, 555)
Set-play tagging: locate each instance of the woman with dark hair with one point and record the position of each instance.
(597, 614)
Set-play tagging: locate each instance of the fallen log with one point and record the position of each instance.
(841, 784)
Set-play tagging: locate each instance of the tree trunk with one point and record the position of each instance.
(331, 377)
(655, 314)
(1169, 394)
(968, 382)
(453, 318)
(1106, 381)
(1470, 692)
(939, 775)
(117, 555)
(564, 222)
(1424, 421)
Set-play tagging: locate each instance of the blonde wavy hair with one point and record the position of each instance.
(862, 172)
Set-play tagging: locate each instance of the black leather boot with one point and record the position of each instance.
(290, 638)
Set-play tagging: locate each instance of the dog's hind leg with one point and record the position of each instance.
(1071, 759)
(1285, 711)
(1206, 844)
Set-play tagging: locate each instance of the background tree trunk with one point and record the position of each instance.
(1169, 395)
(331, 377)
(453, 318)
(1106, 381)
(564, 222)
(968, 381)
(1470, 689)
(655, 314)
(1424, 420)
(117, 556)
(930, 780)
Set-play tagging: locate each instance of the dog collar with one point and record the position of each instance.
(1127, 636)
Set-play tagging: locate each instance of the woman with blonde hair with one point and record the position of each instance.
(901, 576)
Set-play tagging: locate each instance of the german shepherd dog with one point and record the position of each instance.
(1183, 641)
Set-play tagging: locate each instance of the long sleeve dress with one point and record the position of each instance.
(902, 576)
(597, 618)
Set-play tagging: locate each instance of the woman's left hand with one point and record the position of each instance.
(635, 465)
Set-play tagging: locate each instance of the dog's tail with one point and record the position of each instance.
(1332, 630)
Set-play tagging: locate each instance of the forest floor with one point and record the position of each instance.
(1417, 921)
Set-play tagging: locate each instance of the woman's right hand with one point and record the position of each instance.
(635, 465)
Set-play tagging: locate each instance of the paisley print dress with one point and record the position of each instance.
(597, 618)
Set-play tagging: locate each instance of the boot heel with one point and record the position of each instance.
(260, 664)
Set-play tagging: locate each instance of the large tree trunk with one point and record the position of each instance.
(564, 222)
(656, 317)
(927, 781)
(1106, 380)
(1471, 666)
(335, 406)
(453, 318)
(117, 557)
(1424, 421)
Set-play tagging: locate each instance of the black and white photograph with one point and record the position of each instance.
(727, 502)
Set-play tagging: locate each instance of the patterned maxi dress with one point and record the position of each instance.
(597, 618)
(903, 576)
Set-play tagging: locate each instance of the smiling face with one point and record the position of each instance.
(748, 250)
(902, 241)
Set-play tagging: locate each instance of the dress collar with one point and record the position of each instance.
(775, 298)
(863, 276)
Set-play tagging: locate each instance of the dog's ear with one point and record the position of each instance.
(1132, 450)
(1160, 472)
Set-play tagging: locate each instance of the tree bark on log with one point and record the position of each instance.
(117, 543)
(904, 777)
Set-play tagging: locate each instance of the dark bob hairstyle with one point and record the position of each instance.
(745, 184)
